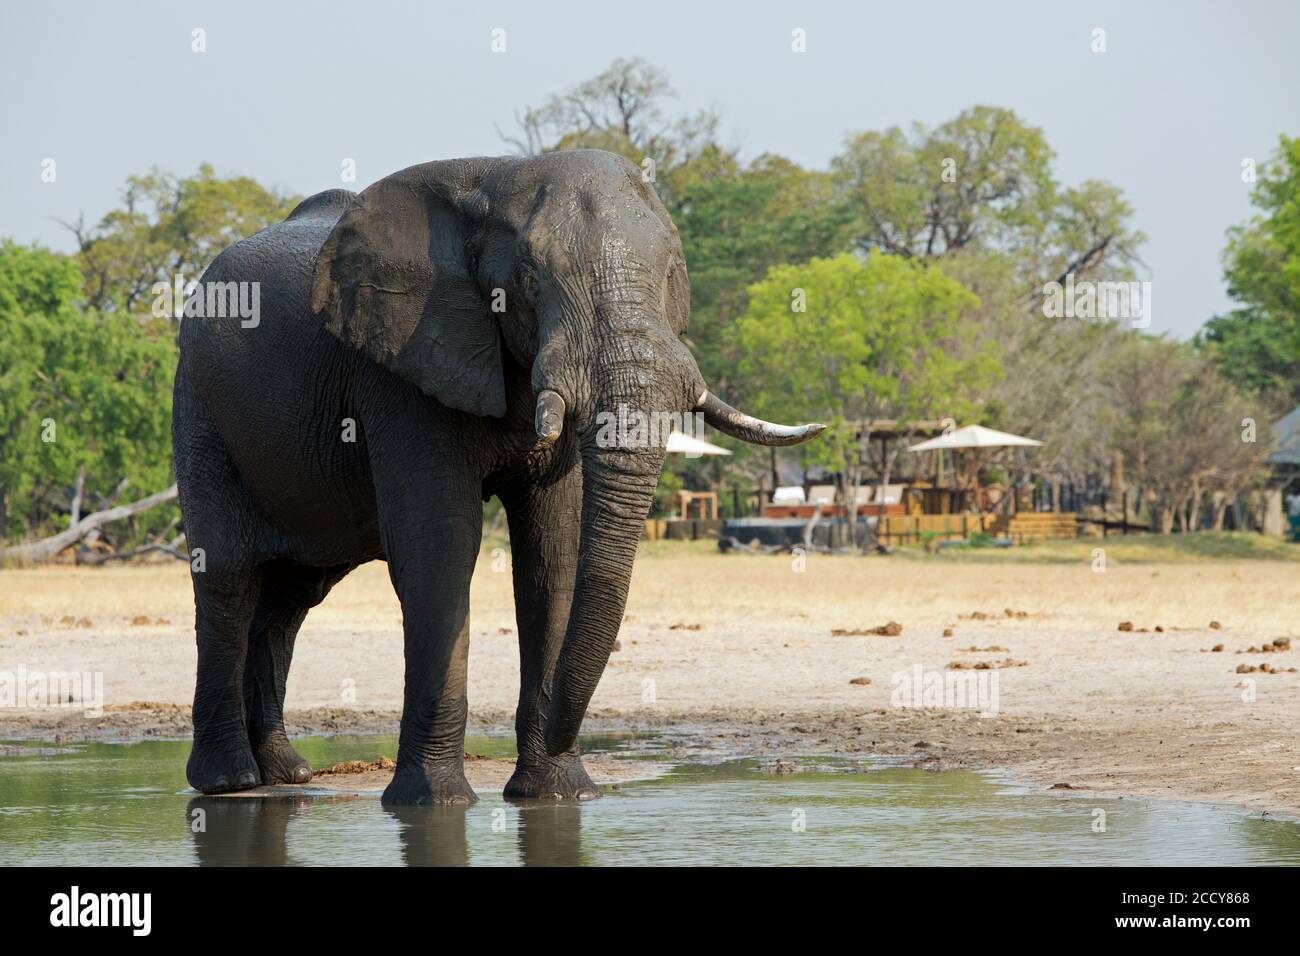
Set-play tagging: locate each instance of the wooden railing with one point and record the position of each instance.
(912, 529)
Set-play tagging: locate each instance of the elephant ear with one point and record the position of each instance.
(393, 280)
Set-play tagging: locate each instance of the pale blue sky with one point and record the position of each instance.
(285, 91)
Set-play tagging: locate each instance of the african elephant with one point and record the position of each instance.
(450, 333)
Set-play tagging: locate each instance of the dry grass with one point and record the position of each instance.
(858, 592)
(693, 582)
(158, 590)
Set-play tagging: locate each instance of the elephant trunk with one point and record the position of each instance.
(639, 371)
(618, 484)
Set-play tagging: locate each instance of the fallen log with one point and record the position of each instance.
(35, 552)
(93, 559)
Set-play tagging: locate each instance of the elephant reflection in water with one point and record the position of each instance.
(548, 834)
(432, 836)
(243, 831)
(252, 831)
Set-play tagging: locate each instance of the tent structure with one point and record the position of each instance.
(1286, 439)
(680, 443)
(974, 436)
(972, 439)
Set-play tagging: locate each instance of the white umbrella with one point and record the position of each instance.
(680, 443)
(973, 436)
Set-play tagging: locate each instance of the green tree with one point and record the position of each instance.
(982, 182)
(34, 287)
(876, 341)
(1258, 343)
(736, 227)
(1178, 424)
(86, 370)
(622, 110)
(80, 392)
(167, 226)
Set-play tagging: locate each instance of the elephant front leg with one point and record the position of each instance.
(544, 536)
(432, 580)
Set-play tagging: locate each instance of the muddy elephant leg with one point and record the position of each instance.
(288, 592)
(221, 758)
(545, 522)
(431, 529)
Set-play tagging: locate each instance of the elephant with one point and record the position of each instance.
(454, 331)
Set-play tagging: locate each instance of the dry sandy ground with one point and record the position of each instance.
(736, 655)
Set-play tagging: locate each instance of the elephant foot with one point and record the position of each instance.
(551, 778)
(218, 768)
(419, 785)
(279, 762)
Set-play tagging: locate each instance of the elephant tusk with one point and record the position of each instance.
(549, 418)
(737, 424)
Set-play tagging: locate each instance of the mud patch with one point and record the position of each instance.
(986, 665)
(368, 778)
(892, 629)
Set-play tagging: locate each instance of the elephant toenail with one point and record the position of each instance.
(301, 774)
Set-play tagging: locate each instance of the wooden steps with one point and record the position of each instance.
(1035, 525)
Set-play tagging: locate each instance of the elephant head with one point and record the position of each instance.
(569, 264)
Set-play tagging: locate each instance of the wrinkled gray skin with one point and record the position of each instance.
(377, 308)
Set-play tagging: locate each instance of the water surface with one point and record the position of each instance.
(128, 804)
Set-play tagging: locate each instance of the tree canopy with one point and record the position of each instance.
(167, 226)
(981, 182)
(918, 256)
(86, 369)
(1258, 343)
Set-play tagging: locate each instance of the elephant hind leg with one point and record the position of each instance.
(224, 536)
(224, 601)
(288, 591)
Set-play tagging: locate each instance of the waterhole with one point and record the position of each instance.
(128, 804)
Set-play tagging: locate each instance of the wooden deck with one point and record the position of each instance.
(1036, 525)
(1025, 526)
(899, 529)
